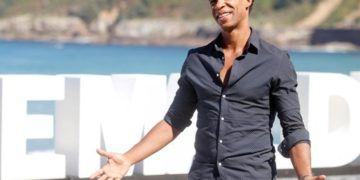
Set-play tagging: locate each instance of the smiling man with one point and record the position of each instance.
(237, 83)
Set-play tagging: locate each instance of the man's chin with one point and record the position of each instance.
(227, 27)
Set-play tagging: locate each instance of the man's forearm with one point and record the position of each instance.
(158, 137)
(300, 156)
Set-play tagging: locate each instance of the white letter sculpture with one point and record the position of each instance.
(17, 126)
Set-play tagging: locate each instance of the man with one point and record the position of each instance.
(236, 83)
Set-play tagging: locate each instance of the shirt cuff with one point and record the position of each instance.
(177, 123)
(298, 136)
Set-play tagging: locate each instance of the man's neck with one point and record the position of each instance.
(236, 39)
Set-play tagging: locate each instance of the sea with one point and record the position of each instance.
(19, 57)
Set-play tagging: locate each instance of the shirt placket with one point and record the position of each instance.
(222, 118)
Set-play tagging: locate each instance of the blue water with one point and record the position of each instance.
(48, 58)
(52, 58)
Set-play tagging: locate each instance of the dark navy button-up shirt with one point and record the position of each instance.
(233, 138)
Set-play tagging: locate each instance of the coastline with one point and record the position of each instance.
(165, 32)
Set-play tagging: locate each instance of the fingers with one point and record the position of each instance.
(103, 177)
(104, 153)
(97, 174)
(321, 177)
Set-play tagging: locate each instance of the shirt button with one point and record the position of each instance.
(219, 164)
(220, 141)
(222, 118)
(217, 75)
(224, 96)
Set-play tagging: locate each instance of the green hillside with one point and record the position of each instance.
(279, 13)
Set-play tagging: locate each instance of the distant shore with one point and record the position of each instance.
(164, 32)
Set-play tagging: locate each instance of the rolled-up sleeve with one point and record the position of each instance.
(286, 101)
(183, 106)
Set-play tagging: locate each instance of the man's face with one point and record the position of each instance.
(230, 13)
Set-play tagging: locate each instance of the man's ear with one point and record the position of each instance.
(249, 3)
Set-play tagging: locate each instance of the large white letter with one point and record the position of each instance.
(16, 127)
(330, 107)
(100, 111)
(78, 119)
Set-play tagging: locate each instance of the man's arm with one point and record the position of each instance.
(296, 143)
(301, 159)
(118, 164)
(157, 138)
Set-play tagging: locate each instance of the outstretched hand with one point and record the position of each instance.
(116, 167)
(321, 177)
